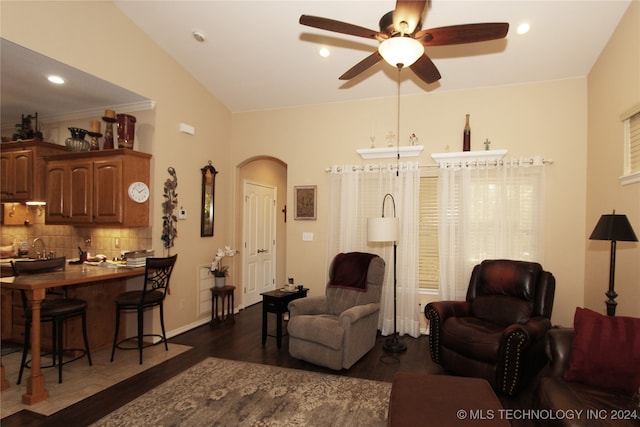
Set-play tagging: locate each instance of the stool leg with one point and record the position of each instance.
(86, 339)
(25, 348)
(140, 331)
(164, 335)
(115, 336)
(57, 325)
(54, 341)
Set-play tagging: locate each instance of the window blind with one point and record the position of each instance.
(428, 265)
(634, 143)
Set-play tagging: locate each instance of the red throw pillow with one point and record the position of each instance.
(605, 352)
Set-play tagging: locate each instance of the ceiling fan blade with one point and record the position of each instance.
(409, 11)
(361, 66)
(340, 27)
(458, 34)
(426, 69)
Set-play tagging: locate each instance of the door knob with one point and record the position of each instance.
(260, 251)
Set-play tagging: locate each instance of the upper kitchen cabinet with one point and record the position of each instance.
(22, 170)
(92, 188)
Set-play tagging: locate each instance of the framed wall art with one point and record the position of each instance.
(304, 202)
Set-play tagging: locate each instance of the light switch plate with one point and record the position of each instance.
(182, 214)
(307, 236)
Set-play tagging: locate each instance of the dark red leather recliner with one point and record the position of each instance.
(498, 332)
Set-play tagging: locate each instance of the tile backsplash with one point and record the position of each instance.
(65, 239)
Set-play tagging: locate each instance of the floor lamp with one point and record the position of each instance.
(615, 228)
(387, 229)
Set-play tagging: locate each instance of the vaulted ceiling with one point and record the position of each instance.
(257, 56)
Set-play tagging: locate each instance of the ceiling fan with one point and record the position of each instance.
(402, 38)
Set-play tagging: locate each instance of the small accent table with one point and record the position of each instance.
(277, 302)
(218, 316)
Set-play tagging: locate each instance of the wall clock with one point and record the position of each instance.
(138, 192)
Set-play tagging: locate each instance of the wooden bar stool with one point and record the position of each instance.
(156, 283)
(55, 310)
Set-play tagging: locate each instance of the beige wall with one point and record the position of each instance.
(547, 118)
(613, 87)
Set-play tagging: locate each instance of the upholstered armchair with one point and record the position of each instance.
(336, 329)
(498, 332)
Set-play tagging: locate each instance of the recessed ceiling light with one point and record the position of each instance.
(324, 52)
(523, 28)
(56, 80)
(199, 36)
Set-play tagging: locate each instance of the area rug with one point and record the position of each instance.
(79, 380)
(219, 392)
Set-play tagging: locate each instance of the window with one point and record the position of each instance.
(631, 120)
(428, 264)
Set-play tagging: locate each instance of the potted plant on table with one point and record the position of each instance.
(219, 271)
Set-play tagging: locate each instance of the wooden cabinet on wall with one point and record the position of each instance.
(91, 188)
(22, 170)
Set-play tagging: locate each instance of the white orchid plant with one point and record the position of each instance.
(217, 269)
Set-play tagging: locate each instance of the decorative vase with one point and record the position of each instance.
(220, 282)
(77, 141)
(126, 130)
(466, 139)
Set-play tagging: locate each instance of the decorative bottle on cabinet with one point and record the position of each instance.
(110, 118)
(466, 139)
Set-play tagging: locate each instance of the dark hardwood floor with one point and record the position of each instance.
(242, 341)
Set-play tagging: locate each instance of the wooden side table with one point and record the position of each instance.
(277, 302)
(217, 312)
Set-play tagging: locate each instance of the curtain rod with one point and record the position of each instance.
(371, 167)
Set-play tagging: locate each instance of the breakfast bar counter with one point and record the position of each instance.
(35, 286)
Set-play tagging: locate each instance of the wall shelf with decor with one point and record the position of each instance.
(469, 156)
(390, 152)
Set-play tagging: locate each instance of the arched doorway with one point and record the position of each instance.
(263, 267)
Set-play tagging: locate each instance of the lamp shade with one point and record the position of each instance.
(383, 229)
(615, 228)
(401, 50)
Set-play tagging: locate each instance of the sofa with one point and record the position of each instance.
(593, 372)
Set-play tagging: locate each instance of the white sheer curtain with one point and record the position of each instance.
(488, 211)
(356, 194)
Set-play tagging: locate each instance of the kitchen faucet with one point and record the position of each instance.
(39, 255)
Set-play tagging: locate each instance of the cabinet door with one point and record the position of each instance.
(17, 175)
(80, 190)
(6, 176)
(23, 175)
(69, 186)
(56, 180)
(107, 194)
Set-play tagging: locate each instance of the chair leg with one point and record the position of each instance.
(86, 339)
(140, 331)
(115, 336)
(25, 348)
(164, 335)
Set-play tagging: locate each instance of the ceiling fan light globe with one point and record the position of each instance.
(401, 50)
